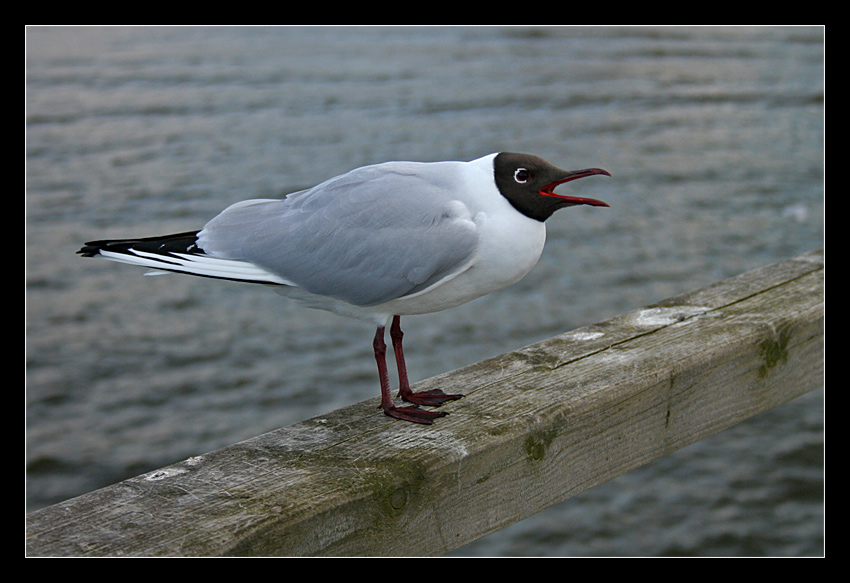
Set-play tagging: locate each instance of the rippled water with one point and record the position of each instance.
(714, 137)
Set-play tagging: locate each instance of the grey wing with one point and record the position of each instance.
(366, 237)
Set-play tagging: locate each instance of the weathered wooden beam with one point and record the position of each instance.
(536, 426)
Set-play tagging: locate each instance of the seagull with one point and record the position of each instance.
(377, 243)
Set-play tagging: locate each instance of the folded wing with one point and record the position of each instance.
(375, 234)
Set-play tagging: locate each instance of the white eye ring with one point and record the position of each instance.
(521, 175)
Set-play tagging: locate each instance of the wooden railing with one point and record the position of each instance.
(536, 426)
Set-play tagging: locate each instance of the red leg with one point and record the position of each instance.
(432, 398)
(411, 413)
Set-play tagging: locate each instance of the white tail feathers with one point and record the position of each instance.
(164, 258)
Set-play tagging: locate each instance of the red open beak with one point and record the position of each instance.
(549, 189)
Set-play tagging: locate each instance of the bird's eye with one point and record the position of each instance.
(522, 175)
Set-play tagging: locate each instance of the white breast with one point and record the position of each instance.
(509, 247)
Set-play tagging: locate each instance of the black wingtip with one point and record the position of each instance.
(180, 242)
(90, 249)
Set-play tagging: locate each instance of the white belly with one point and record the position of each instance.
(506, 254)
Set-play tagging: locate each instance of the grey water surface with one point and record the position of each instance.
(714, 138)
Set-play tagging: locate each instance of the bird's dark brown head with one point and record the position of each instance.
(529, 182)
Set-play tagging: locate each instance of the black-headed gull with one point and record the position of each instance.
(377, 243)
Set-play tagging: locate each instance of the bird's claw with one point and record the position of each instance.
(432, 398)
(414, 414)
